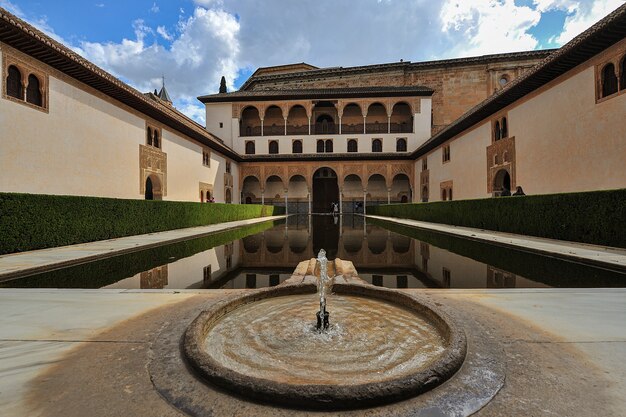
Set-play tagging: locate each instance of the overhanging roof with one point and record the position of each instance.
(317, 93)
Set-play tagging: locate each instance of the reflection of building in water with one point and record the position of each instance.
(154, 279)
(366, 247)
(497, 278)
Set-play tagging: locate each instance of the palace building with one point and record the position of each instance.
(550, 121)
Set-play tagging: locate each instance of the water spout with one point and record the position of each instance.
(322, 314)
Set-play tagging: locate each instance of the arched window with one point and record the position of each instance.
(149, 136)
(401, 145)
(496, 160)
(496, 131)
(505, 128)
(444, 195)
(320, 146)
(609, 80)
(328, 146)
(450, 194)
(250, 148)
(622, 74)
(33, 92)
(156, 139)
(273, 148)
(14, 83)
(201, 196)
(505, 156)
(377, 145)
(296, 146)
(353, 145)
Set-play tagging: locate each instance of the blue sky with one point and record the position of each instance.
(194, 42)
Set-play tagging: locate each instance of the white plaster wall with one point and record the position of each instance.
(565, 142)
(217, 113)
(89, 145)
(467, 167)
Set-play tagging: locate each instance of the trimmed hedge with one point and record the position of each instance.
(550, 271)
(37, 221)
(597, 217)
(108, 271)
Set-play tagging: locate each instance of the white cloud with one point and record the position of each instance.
(203, 48)
(164, 34)
(100, 5)
(155, 8)
(489, 27)
(585, 15)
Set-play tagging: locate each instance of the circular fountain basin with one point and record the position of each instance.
(382, 346)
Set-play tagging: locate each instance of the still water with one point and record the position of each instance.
(384, 254)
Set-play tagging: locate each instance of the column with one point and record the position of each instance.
(309, 125)
(388, 195)
(364, 128)
(364, 200)
(340, 125)
(388, 124)
(285, 126)
(262, 197)
(340, 201)
(286, 203)
(309, 196)
(261, 127)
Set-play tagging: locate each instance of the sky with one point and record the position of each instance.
(194, 42)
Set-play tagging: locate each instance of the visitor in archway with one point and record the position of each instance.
(505, 192)
(519, 191)
(335, 208)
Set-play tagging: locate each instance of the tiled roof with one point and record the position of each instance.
(317, 93)
(394, 66)
(27, 39)
(594, 40)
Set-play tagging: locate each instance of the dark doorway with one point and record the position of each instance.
(325, 190)
(501, 181)
(149, 193)
(324, 125)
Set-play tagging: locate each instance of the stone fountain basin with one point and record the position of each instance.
(325, 395)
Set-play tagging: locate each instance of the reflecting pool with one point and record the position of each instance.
(384, 254)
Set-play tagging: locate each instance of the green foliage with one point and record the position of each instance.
(105, 272)
(36, 221)
(597, 217)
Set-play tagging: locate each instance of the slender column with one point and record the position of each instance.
(286, 203)
(309, 196)
(261, 127)
(364, 200)
(388, 124)
(340, 202)
(309, 125)
(262, 197)
(340, 125)
(285, 126)
(364, 124)
(388, 195)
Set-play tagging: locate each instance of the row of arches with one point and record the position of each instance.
(325, 118)
(24, 88)
(613, 81)
(324, 191)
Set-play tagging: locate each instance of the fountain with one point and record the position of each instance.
(382, 345)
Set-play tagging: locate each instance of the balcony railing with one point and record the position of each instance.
(370, 128)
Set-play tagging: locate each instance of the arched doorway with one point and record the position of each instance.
(501, 181)
(251, 190)
(228, 196)
(153, 188)
(325, 190)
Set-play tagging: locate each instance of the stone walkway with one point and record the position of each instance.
(613, 258)
(25, 263)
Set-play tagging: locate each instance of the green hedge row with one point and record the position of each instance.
(108, 271)
(597, 217)
(36, 221)
(550, 271)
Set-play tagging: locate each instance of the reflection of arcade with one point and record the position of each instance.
(347, 238)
